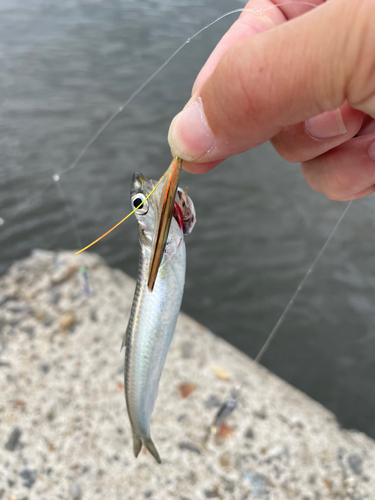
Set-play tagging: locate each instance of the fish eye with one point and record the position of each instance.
(137, 201)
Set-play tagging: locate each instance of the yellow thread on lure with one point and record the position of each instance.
(121, 221)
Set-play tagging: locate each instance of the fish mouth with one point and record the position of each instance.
(138, 183)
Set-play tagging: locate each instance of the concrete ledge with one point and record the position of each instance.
(63, 424)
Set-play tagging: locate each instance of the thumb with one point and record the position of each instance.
(279, 78)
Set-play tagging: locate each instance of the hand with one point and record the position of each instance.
(307, 82)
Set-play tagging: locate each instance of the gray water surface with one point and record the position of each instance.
(65, 68)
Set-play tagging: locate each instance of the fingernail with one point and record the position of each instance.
(326, 125)
(189, 135)
(371, 150)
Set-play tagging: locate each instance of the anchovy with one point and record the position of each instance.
(154, 314)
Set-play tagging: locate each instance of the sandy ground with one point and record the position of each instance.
(64, 431)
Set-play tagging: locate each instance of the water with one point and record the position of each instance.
(65, 68)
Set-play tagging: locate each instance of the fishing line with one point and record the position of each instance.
(231, 402)
(166, 62)
(69, 211)
(72, 166)
(300, 286)
(124, 219)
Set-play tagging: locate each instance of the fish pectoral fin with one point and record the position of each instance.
(148, 443)
(152, 449)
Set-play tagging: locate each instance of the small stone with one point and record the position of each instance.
(258, 483)
(76, 491)
(54, 295)
(184, 445)
(187, 350)
(229, 485)
(147, 494)
(212, 402)
(249, 434)
(67, 321)
(93, 315)
(6, 298)
(186, 389)
(261, 414)
(355, 463)
(20, 403)
(279, 452)
(14, 321)
(224, 431)
(13, 439)
(224, 461)
(28, 476)
(50, 415)
(220, 373)
(191, 477)
(2, 324)
(16, 307)
(328, 484)
(30, 330)
(39, 314)
(44, 367)
(214, 493)
(48, 320)
(63, 274)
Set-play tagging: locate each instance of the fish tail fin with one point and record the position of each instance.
(152, 449)
(137, 444)
(148, 443)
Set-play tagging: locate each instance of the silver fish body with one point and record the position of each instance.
(154, 314)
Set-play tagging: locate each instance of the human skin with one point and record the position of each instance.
(299, 76)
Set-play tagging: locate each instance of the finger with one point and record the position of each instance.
(319, 134)
(368, 126)
(279, 78)
(200, 168)
(346, 172)
(264, 15)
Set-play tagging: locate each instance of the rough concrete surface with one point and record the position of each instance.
(64, 431)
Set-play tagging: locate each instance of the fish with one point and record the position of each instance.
(153, 314)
